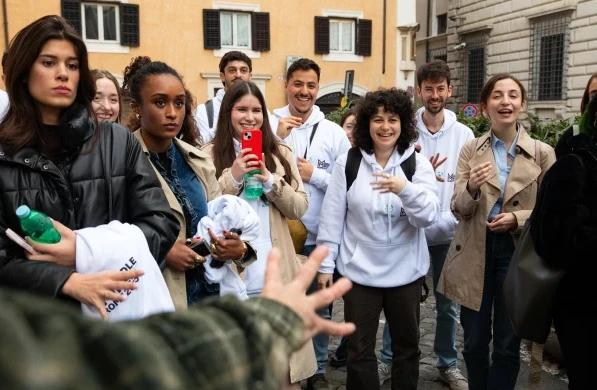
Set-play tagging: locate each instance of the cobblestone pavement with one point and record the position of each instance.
(552, 376)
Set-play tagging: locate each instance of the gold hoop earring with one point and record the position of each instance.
(138, 116)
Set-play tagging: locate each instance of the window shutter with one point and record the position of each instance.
(129, 25)
(364, 36)
(260, 31)
(322, 35)
(71, 11)
(211, 29)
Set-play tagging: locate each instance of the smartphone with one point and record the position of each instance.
(201, 247)
(20, 242)
(252, 139)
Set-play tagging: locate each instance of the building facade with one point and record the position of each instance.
(550, 45)
(372, 38)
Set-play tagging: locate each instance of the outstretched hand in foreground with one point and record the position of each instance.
(293, 294)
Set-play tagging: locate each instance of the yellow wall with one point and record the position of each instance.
(172, 31)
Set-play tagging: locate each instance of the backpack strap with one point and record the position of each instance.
(353, 162)
(409, 166)
(209, 107)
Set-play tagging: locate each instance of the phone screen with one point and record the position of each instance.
(201, 248)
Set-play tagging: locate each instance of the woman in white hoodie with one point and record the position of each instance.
(374, 228)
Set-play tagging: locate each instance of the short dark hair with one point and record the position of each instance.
(488, 87)
(303, 64)
(235, 56)
(395, 101)
(435, 71)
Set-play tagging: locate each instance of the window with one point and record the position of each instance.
(343, 38)
(442, 24)
(235, 29)
(473, 69)
(105, 26)
(238, 30)
(549, 57)
(99, 22)
(438, 54)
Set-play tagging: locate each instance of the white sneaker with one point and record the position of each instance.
(453, 377)
(384, 371)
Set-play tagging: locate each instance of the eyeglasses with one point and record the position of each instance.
(431, 91)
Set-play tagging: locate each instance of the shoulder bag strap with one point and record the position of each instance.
(209, 107)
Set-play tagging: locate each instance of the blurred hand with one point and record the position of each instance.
(293, 294)
(324, 280)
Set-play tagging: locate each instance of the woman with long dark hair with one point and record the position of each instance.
(162, 110)
(283, 196)
(55, 158)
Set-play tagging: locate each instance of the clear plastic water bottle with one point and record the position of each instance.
(37, 226)
(253, 186)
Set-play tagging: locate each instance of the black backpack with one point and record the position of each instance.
(353, 162)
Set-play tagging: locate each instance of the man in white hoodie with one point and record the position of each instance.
(234, 66)
(317, 143)
(440, 139)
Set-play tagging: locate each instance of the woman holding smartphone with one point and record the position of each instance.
(55, 158)
(162, 109)
(243, 109)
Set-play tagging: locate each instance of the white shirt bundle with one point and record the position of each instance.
(225, 213)
(123, 247)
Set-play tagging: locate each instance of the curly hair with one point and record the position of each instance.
(395, 101)
(140, 69)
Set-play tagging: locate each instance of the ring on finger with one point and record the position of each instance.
(217, 240)
(213, 248)
(197, 260)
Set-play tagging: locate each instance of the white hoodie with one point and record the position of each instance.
(376, 239)
(447, 141)
(328, 144)
(207, 133)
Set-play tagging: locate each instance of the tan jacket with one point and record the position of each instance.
(286, 200)
(463, 273)
(201, 163)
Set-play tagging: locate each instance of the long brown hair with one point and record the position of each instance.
(20, 127)
(140, 69)
(104, 74)
(223, 150)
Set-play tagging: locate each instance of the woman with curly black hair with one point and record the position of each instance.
(379, 200)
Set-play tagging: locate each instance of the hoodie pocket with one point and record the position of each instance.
(384, 258)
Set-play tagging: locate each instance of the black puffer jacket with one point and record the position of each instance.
(74, 192)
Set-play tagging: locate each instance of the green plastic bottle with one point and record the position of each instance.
(37, 226)
(253, 186)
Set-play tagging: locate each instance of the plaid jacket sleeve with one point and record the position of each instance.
(222, 344)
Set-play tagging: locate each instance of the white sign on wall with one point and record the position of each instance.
(290, 60)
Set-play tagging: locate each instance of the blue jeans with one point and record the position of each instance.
(444, 344)
(320, 341)
(502, 372)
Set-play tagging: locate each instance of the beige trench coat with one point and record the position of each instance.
(201, 163)
(286, 200)
(462, 277)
